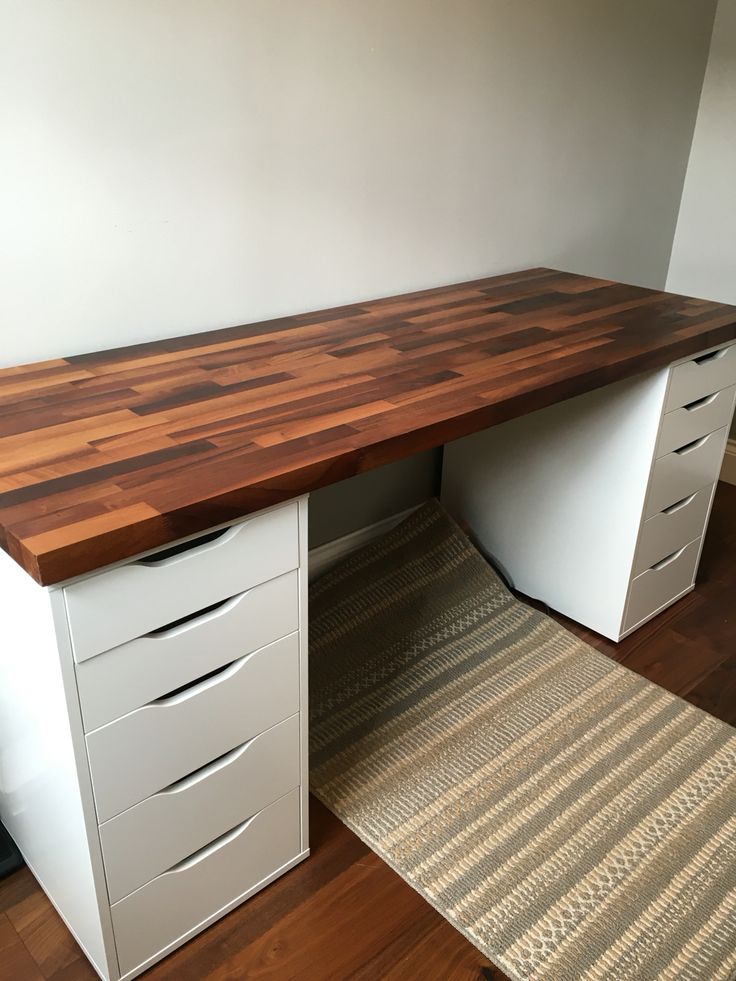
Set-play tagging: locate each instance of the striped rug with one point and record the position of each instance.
(572, 819)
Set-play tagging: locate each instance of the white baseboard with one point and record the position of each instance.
(323, 557)
(728, 470)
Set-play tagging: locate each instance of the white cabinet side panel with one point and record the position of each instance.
(304, 668)
(40, 797)
(556, 496)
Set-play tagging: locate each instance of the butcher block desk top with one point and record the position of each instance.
(106, 455)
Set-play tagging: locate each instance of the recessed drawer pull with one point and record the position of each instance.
(699, 403)
(171, 826)
(187, 550)
(216, 677)
(207, 771)
(702, 415)
(158, 914)
(186, 651)
(661, 584)
(677, 474)
(197, 619)
(160, 743)
(678, 505)
(669, 558)
(665, 531)
(129, 601)
(703, 375)
(713, 356)
(210, 849)
(689, 447)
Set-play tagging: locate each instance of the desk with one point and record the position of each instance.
(153, 716)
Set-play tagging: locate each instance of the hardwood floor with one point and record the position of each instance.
(343, 913)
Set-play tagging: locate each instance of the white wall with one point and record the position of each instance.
(175, 165)
(704, 251)
(358, 501)
(170, 166)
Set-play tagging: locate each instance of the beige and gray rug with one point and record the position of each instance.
(572, 819)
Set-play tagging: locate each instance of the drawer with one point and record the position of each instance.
(664, 533)
(150, 748)
(113, 607)
(680, 473)
(132, 674)
(701, 376)
(695, 420)
(660, 585)
(164, 911)
(147, 839)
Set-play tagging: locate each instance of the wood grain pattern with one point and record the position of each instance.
(105, 455)
(344, 913)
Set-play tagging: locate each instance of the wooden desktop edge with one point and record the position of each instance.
(75, 558)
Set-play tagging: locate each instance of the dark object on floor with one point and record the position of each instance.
(10, 857)
(487, 972)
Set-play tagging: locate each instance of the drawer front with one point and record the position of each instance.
(664, 533)
(697, 419)
(684, 471)
(147, 839)
(166, 909)
(150, 748)
(701, 376)
(115, 606)
(659, 585)
(128, 676)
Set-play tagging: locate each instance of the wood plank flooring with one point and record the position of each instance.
(344, 914)
(106, 455)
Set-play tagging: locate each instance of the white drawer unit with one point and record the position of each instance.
(598, 505)
(664, 533)
(660, 585)
(690, 422)
(147, 839)
(132, 674)
(159, 743)
(158, 735)
(131, 600)
(700, 376)
(166, 911)
(685, 470)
